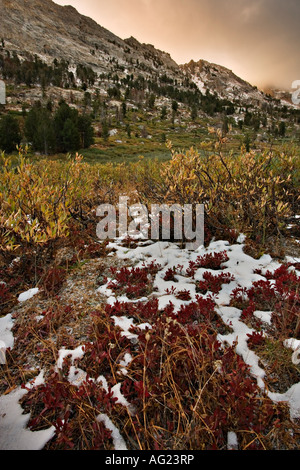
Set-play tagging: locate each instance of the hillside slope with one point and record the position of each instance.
(52, 31)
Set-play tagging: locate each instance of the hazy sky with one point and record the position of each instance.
(257, 39)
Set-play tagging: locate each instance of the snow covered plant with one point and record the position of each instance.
(135, 282)
(175, 350)
(278, 293)
(213, 283)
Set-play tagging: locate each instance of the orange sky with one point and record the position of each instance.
(257, 39)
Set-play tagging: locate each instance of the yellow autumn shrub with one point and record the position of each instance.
(251, 192)
(38, 199)
(35, 199)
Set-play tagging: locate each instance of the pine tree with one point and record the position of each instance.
(71, 137)
(151, 101)
(39, 129)
(10, 135)
(194, 113)
(163, 113)
(105, 130)
(66, 123)
(86, 131)
(282, 129)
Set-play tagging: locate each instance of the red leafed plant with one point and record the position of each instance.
(212, 260)
(208, 261)
(7, 299)
(213, 283)
(183, 295)
(59, 402)
(201, 310)
(278, 293)
(53, 280)
(134, 282)
(140, 311)
(171, 273)
(256, 338)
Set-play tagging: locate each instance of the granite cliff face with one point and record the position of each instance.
(51, 31)
(222, 81)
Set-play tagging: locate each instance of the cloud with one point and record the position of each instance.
(258, 40)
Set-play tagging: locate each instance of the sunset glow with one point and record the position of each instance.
(257, 39)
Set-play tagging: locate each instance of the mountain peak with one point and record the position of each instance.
(49, 30)
(222, 81)
(52, 31)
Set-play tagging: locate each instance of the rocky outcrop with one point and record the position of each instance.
(43, 28)
(222, 81)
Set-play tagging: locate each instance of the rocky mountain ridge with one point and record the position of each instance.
(208, 76)
(51, 31)
(42, 28)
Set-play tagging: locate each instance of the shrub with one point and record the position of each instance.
(35, 200)
(62, 403)
(252, 192)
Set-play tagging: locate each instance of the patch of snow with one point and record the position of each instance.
(76, 376)
(232, 442)
(293, 344)
(241, 238)
(292, 397)
(116, 390)
(266, 317)
(118, 440)
(13, 432)
(124, 363)
(28, 294)
(73, 353)
(6, 336)
(296, 357)
(2, 352)
(125, 324)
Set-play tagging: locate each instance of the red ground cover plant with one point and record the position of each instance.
(183, 295)
(53, 280)
(208, 261)
(7, 299)
(188, 392)
(255, 339)
(171, 273)
(72, 411)
(135, 282)
(278, 293)
(106, 345)
(213, 283)
(15, 278)
(185, 389)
